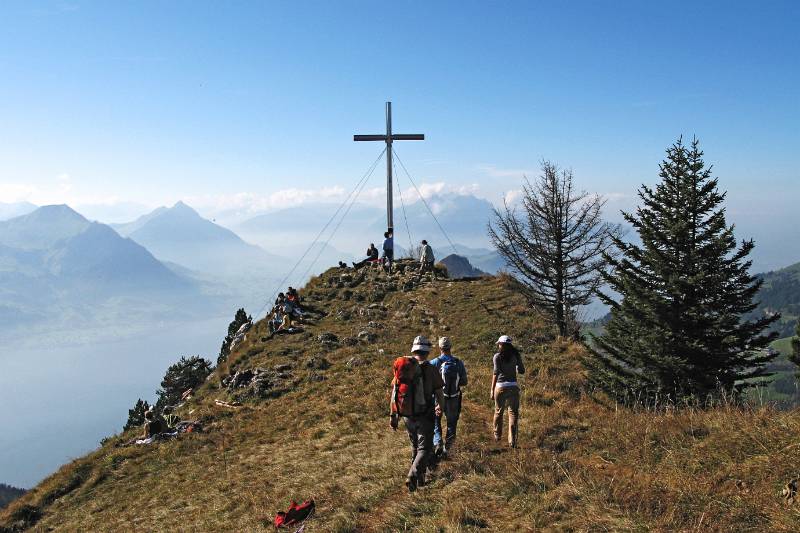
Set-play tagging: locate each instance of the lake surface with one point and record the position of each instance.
(56, 403)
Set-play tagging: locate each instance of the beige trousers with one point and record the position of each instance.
(506, 397)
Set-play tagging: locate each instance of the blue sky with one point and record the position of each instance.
(241, 103)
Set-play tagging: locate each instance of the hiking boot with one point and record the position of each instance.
(438, 450)
(445, 453)
(411, 483)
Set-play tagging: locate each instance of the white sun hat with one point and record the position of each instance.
(504, 339)
(421, 344)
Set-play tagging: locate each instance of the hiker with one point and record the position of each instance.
(454, 377)
(507, 362)
(417, 397)
(152, 425)
(372, 256)
(426, 257)
(388, 251)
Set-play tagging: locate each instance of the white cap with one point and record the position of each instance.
(421, 344)
(504, 339)
(444, 343)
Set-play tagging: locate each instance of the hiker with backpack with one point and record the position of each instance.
(507, 362)
(454, 377)
(416, 396)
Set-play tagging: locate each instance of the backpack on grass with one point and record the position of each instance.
(408, 388)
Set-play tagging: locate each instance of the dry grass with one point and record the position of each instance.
(582, 465)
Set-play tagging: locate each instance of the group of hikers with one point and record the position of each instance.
(285, 312)
(386, 260)
(424, 391)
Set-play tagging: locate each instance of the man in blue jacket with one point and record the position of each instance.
(388, 251)
(454, 376)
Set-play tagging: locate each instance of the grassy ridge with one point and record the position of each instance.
(582, 464)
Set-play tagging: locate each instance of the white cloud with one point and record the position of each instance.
(513, 196)
(497, 172)
(250, 202)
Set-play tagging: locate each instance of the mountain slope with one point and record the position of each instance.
(781, 294)
(180, 235)
(317, 427)
(15, 209)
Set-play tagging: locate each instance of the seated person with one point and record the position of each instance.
(292, 296)
(276, 318)
(372, 256)
(152, 425)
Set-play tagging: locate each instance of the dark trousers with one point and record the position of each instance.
(451, 411)
(420, 433)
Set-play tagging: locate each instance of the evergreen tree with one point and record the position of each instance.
(180, 377)
(678, 329)
(136, 415)
(240, 318)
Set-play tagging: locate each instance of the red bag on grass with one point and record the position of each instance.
(295, 514)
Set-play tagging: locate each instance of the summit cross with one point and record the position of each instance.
(388, 139)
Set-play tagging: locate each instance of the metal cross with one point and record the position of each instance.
(388, 139)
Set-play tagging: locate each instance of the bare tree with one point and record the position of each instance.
(554, 246)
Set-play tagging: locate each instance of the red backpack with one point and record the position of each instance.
(408, 388)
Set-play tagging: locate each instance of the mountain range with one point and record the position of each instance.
(180, 235)
(58, 267)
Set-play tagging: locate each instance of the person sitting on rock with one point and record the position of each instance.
(292, 296)
(291, 312)
(152, 425)
(372, 256)
(276, 318)
(426, 257)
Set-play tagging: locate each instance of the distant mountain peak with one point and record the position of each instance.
(61, 210)
(181, 206)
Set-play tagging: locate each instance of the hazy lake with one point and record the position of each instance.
(56, 403)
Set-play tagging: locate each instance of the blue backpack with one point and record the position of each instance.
(451, 377)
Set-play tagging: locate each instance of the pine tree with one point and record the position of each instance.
(186, 374)
(240, 318)
(678, 329)
(136, 415)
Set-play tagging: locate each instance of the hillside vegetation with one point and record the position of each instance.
(781, 294)
(316, 426)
